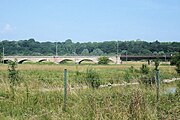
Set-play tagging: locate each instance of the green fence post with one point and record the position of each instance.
(158, 93)
(65, 89)
(76, 72)
(157, 84)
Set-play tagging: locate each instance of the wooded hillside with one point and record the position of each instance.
(137, 47)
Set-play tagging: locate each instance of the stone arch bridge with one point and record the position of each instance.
(59, 59)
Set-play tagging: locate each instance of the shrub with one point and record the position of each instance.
(156, 63)
(127, 76)
(176, 61)
(92, 78)
(1, 58)
(178, 67)
(13, 76)
(12, 72)
(144, 69)
(103, 60)
(148, 76)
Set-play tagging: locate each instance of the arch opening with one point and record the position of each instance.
(24, 60)
(67, 61)
(43, 60)
(111, 61)
(86, 61)
(7, 61)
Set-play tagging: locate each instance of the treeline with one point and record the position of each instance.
(137, 47)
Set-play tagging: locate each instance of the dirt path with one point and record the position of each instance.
(102, 86)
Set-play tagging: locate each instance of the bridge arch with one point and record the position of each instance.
(112, 60)
(79, 62)
(23, 60)
(43, 60)
(6, 61)
(65, 60)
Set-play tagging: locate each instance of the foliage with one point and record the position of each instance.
(136, 47)
(178, 67)
(92, 78)
(127, 76)
(13, 77)
(1, 57)
(40, 95)
(117, 103)
(176, 61)
(144, 69)
(147, 76)
(156, 63)
(97, 52)
(13, 73)
(103, 60)
(85, 52)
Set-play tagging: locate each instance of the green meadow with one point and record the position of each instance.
(39, 92)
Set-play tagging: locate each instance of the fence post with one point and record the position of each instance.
(157, 84)
(76, 72)
(157, 90)
(65, 89)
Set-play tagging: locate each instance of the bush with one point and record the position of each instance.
(13, 73)
(148, 76)
(178, 67)
(92, 78)
(127, 76)
(13, 76)
(103, 60)
(148, 79)
(156, 63)
(144, 69)
(1, 58)
(176, 61)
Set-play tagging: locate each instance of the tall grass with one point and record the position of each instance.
(105, 103)
(40, 95)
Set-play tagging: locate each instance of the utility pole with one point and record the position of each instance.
(126, 55)
(165, 57)
(117, 48)
(3, 54)
(56, 50)
(117, 52)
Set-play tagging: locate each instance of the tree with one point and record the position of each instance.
(176, 61)
(1, 57)
(97, 52)
(69, 46)
(155, 53)
(161, 53)
(103, 60)
(85, 52)
(124, 52)
(33, 47)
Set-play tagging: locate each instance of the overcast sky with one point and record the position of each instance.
(90, 20)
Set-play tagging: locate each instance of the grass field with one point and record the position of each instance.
(39, 94)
